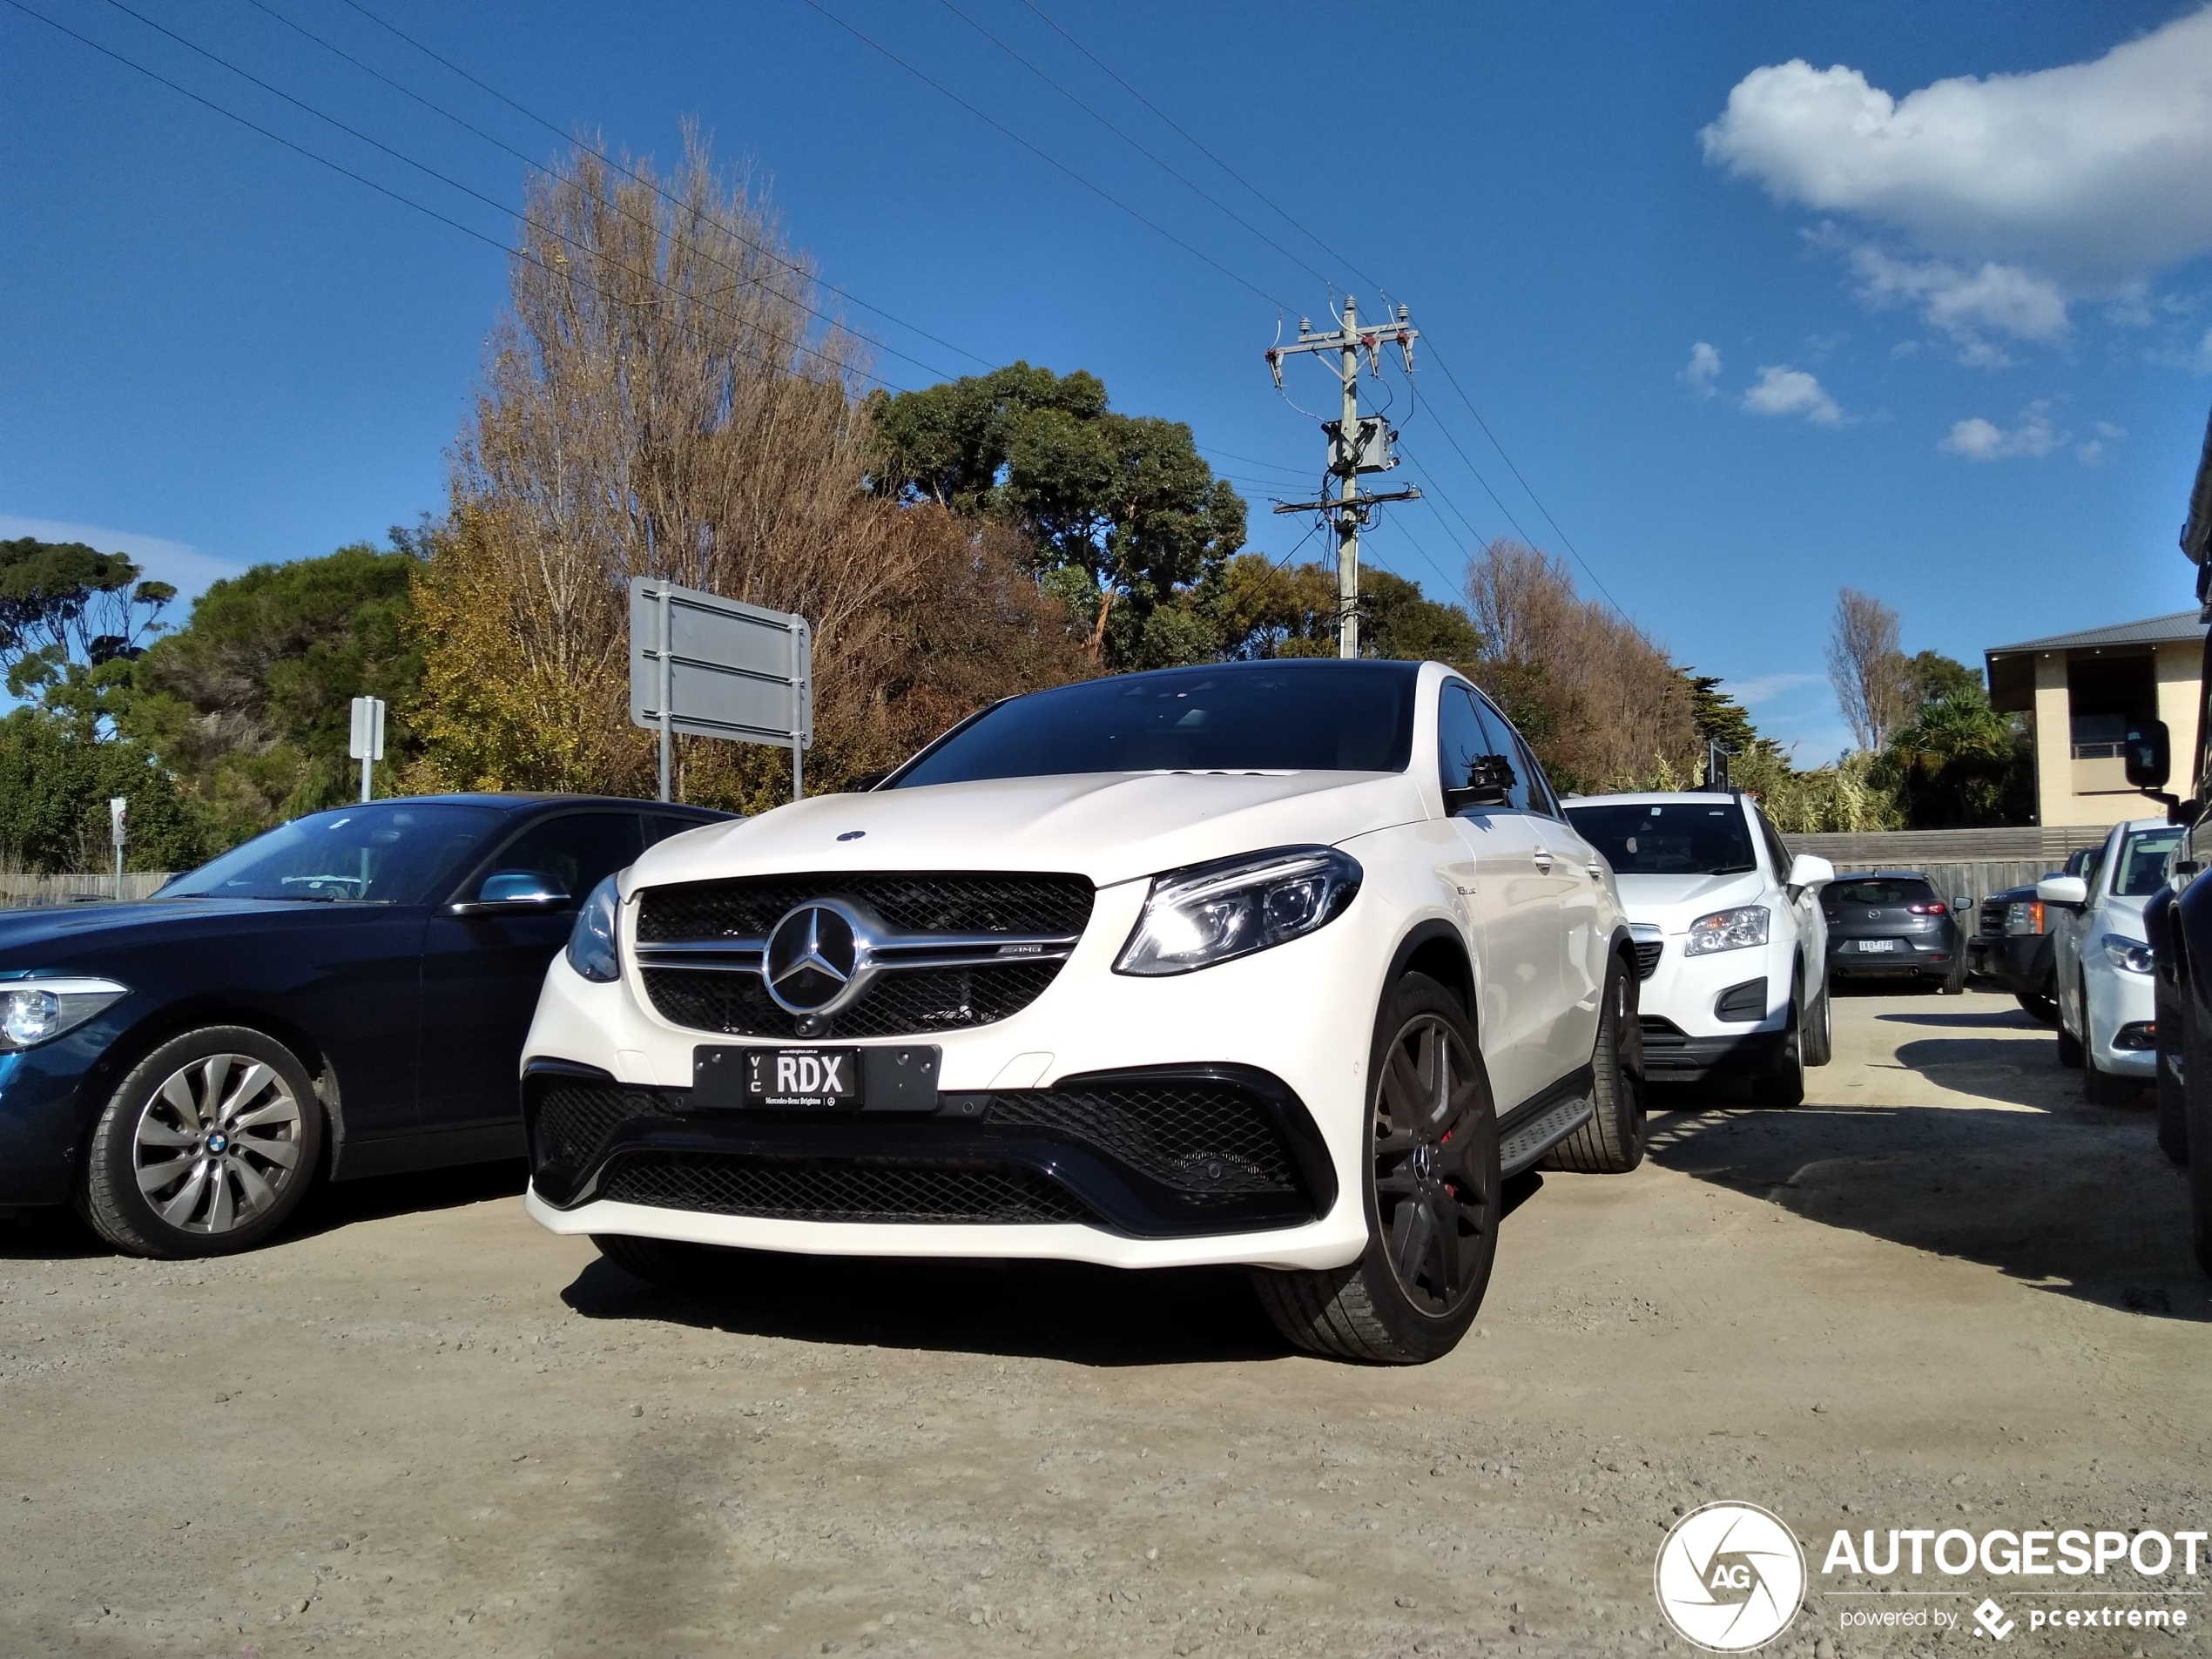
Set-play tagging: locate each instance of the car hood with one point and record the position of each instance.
(1111, 826)
(1672, 902)
(46, 935)
(2125, 916)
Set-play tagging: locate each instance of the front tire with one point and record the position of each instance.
(206, 1147)
(2043, 1006)
(2070, 1049)
(1612, 1142)
(1431, 1188)
(1818, 1038)
(1784, 1081)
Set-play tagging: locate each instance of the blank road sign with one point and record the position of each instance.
(734, 671)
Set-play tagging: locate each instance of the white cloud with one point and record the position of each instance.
(179, 563)
(1702, 369)
(1766, 687)
(2093, 172)
(2093, 453)
(1782, 390)
(1962, 303)
(1980, 440)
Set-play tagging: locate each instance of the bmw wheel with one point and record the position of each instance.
(205, 1147)
(1431, 1188)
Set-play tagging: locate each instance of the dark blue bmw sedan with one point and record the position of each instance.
(345, 996)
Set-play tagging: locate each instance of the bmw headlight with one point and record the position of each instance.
(2129, 955)
(594, 948)
(1212, 912)
(1727, 930)
(39, 1010)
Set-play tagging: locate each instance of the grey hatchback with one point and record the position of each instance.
(1890, 924)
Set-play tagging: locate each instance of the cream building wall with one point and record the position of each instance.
(2094, 791)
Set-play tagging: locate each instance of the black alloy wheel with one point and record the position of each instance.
(1432, 1191)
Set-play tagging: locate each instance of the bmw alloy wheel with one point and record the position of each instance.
(218, 1144)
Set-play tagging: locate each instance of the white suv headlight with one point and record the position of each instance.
(1212, 912)
(595, 949)
(39, 1010)
(2129, 955)
(1727, 930)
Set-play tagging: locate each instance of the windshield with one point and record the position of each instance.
(2142, 862)
(1669, 838)
(385, 852)
(1301, 716)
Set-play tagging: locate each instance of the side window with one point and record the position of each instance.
(658, 828)
(578, 850)
(1540, 799)
(1500, 739)
(1460, 737)
(1775, 847)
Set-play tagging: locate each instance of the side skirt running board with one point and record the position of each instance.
(1528, 1142)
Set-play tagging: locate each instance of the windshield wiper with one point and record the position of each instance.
(1733, 869)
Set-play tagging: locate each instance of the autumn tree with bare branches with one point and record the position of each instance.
(1874, 679)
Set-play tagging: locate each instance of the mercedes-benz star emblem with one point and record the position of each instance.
(815, 953)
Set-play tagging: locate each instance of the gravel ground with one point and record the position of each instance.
(1944, 1292)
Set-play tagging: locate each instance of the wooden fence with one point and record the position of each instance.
(17, 891)
(1960, 864)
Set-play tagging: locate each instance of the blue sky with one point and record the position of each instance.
(1762, 298)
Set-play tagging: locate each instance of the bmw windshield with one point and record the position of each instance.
(382, 852)
(1311, 715)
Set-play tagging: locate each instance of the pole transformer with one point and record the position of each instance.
(1357, 444)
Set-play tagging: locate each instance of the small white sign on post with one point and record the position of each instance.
(117, 806)
(368, 746)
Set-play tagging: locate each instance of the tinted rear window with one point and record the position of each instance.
(1314, 716)
(1883, 892)
(1669, 838)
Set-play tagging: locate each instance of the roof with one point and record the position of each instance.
(2151, 631)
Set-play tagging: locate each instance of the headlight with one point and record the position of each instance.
(1211, 912)
(2129, 955)
(1727, 930)
(594, 947)
(39, 1010)
(2024, 917)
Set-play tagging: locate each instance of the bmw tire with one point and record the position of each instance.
(205, 1148)
(1431, 1186)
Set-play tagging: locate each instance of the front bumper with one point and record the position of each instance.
(1291, 1026)
(47, 1097)
(2019, 962)
(1726, 1011)
(1671, 1056)
(2119, 1000)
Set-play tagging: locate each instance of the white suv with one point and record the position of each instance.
(1282, 964)
(1729, 935)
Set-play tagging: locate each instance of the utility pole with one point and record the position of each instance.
(1356, 445)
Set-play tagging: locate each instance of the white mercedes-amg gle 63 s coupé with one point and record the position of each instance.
(1288, 965)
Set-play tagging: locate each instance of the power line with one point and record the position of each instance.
(1299, 473)
(1280, 212)
(381, 189)
(566, 137)
(444, 178)
(1051, 160)
(1167, 167)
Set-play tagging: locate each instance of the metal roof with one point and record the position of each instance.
(2180, 625)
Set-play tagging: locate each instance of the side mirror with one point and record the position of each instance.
(1809, 870)
(1490, 781)
(2150, 755)
(515, 890)
(1961, 905)
(2069, 891)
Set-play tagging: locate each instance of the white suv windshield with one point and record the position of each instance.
(1311, 716)
(1669, 837)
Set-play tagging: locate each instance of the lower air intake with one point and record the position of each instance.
(830, 1189)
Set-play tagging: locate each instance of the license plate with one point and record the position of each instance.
(1880, 944)
(814, 1080)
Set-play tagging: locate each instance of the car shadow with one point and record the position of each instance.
(1106, 1317)
(2070, 1203)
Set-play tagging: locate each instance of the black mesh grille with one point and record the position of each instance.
(1197, 1135)
(749, 906)
(1648, 951)
(912, 1002)
(575, 1118)
(1993, 918)
(838, 1189)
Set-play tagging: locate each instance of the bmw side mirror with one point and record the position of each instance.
(2150, 755)
(1490, 781)
(516, 890)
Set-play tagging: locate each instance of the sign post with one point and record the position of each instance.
(719, 668)
(368, 746)
(117, 806)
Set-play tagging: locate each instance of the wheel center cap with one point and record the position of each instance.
(218, 1144)
(1424, 1161)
